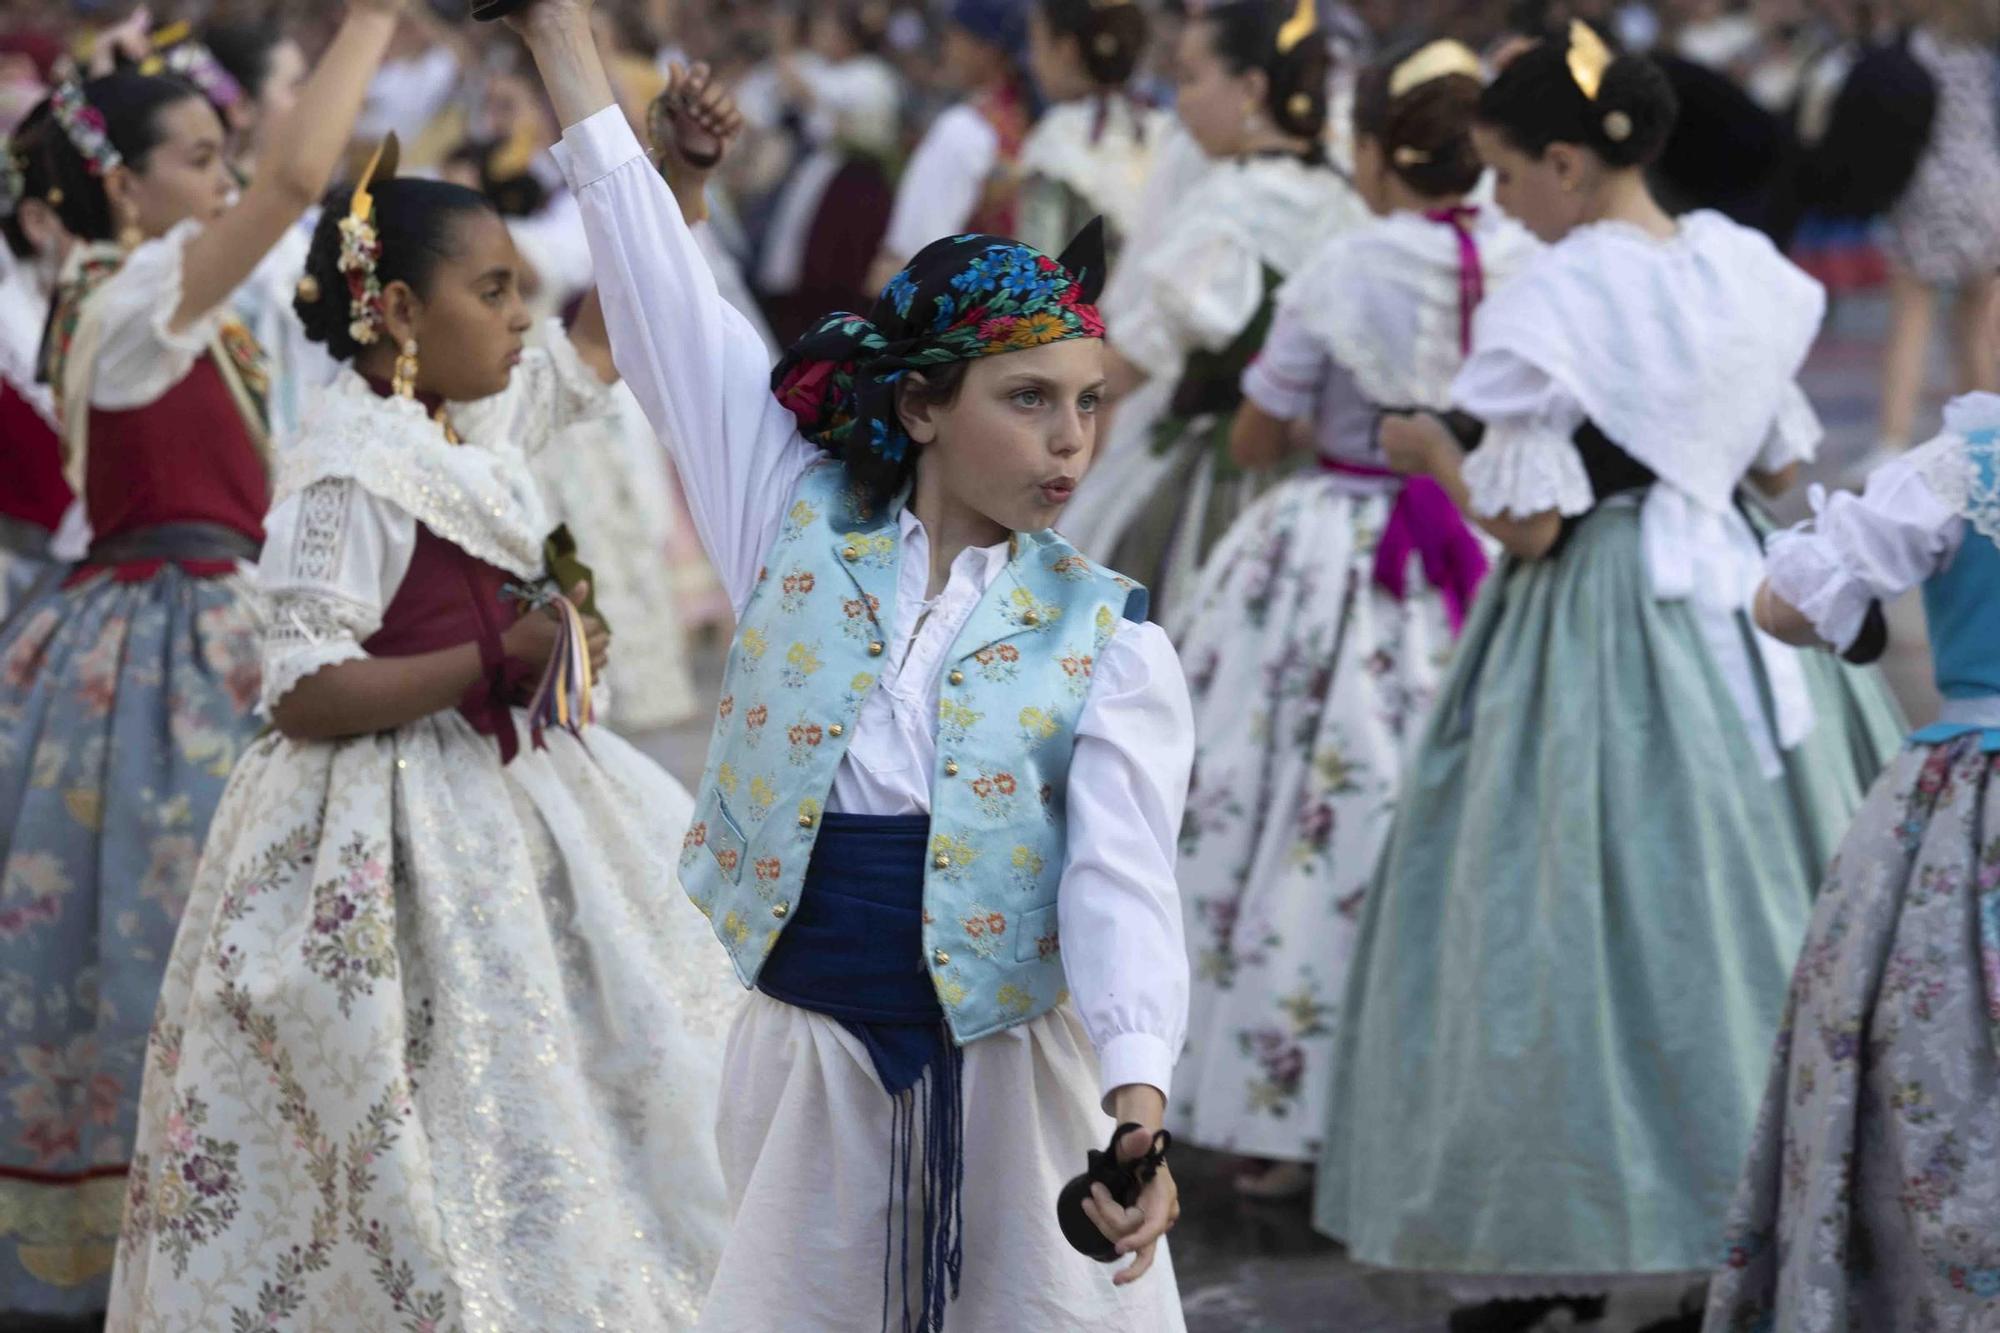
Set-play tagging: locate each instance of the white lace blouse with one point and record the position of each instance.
(701, 373)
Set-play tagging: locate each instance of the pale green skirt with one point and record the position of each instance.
(1575, 954)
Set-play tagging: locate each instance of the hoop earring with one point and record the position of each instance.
(404, 383)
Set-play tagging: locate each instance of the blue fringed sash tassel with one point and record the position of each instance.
(854, 952)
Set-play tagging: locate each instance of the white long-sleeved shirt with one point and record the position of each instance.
(700, 372)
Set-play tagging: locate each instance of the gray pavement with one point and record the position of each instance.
(1249, 1267)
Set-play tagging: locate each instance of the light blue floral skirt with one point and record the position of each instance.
(123, 706)
(1575, 951)
(1872, 1198)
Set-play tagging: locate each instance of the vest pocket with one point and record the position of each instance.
(726, 842)
(1038, 936)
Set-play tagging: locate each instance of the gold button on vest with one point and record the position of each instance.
(941, 958)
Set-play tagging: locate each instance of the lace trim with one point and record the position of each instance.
(306, 632)
(479, 496)
(322, 537)
(1526, 471)
(1965, 471)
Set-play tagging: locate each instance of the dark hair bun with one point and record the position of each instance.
(414, 221)
(1637, 110)
(1111, 37)
(1536, 102)
(1299, 87)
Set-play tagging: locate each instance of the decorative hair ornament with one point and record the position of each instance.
(1617, 126)
(175, 52)
(83, 125)
(308, 289)
(1407, 155)
(1588, 58)
(1301, 25)
(361, 248)
(1434, 60)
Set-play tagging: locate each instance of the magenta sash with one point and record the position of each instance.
(1423, 520)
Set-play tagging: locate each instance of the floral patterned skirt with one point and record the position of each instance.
(1872, 1198)
(123, 707)
(1308, 682)
(21, 576)
(438, 1048)
(1571, 961)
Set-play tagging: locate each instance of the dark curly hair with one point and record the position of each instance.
(415, 221)
(1536, 102)
(1244, 34)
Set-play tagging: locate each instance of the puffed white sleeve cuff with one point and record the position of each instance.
(1526, 468)
(596, 146)
(1123, 948)
(1858, 549)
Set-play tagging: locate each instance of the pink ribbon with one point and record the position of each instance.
(1471, 273)
(1424, 521)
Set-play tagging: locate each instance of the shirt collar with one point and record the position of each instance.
(984, 563)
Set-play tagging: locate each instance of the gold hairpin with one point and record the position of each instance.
(1301, 25)
(1588, 58)
(1408, 156)
(1436, 60)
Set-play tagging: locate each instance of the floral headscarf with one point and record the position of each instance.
(960, 299)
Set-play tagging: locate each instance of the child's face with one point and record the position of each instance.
(1019, 437)
(470, 322)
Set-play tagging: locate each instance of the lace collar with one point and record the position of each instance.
(479, 496)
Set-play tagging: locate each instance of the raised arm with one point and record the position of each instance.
(699, 369)
(295, 167)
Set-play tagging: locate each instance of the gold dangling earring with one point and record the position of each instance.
(130, 238)
(404, 382)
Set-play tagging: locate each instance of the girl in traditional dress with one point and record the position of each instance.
(1573, 955)
(964, 174)
(1325, 617)
(439, 1044)
(40, 522)
(127, 694)
(1872, 1197)
(1253, 80)
(936, 829)
(1090, 153)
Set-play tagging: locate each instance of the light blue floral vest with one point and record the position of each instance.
(805, 659)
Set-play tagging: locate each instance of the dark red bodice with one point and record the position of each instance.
(447, 598)
(31, 460)
(187, 458)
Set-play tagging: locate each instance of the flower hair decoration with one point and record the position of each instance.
(174, 53)
(83, 124)
(361, 248)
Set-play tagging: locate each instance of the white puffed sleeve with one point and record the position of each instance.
(1199, 289)
(1118, 911)
(1527, 463)
(1795, 435)
(334, 555)
(1858, 549)
(138, 355)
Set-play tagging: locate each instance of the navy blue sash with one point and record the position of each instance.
(854, 951)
